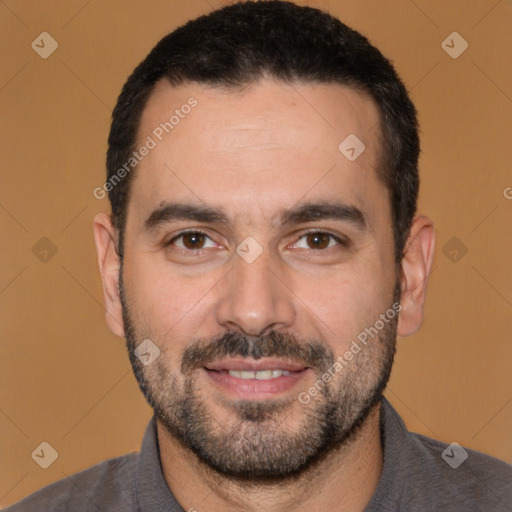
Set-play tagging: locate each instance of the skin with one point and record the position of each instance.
(254, 153)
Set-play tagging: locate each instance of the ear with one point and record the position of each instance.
(108, 260)
(416, 267)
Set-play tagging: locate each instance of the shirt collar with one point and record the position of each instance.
(151, 490)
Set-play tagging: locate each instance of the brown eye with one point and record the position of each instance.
(192, 240)
(318, 240)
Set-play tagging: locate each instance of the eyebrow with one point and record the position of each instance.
(305, 212)
(169, 212)
(310, 212)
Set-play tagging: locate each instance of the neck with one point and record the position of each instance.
(344, 480)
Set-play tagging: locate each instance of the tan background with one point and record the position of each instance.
(65, 379)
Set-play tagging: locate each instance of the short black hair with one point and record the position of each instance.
(244, 42)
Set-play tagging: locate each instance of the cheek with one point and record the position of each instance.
(343, 302)
(165, 306)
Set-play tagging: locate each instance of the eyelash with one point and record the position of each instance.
(342, 242)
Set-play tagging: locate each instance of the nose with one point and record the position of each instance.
(254, 298)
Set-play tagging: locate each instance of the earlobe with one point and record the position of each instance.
(109, 265)
(416, 267)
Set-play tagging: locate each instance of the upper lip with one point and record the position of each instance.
(252, 365)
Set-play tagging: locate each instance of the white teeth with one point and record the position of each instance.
(266, 374)
(260, 375)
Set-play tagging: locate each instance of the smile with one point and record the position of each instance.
(252, 379)
(260, 375)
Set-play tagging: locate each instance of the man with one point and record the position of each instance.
(261, 257)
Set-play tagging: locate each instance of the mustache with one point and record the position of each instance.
(234, 344)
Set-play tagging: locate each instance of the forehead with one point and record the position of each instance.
(260, 148)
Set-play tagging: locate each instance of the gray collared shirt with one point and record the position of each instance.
(416, 477)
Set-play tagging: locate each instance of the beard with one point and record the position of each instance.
(272, 439)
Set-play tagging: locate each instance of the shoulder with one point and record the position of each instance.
(465, 479)
(105, 486)
(421, 474)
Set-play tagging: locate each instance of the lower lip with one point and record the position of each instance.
(254, 388)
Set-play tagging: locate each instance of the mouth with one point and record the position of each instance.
(251, 379)
(260, 375)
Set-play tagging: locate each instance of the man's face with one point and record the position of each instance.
(253, 244)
